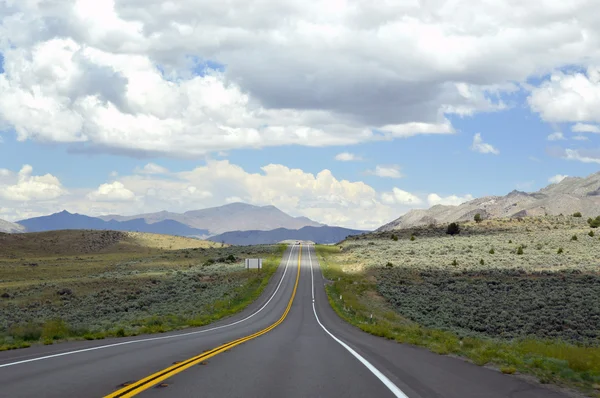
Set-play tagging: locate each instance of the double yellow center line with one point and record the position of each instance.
(147, 382)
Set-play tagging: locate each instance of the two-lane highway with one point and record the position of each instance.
(289, 343)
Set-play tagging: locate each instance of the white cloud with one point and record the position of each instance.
(115, 191)
(347, 157)
(117, 76)
(28, 187)
(151, 168)
(556, 136)
(557, 178)
(482, 147)
(452, 200)
(386, 171)
(569, 97)
(584, 156)
(580, 138)
(398, 196)
(585, 128)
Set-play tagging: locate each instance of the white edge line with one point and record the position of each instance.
(157, 338)
(387, 382)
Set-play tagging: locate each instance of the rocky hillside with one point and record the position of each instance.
(573, 194)
(230, 217)
(9, 227)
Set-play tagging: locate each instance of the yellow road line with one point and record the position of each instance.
(155, 378)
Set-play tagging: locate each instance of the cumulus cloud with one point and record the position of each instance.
(151, 168)
(569, 97)
(347, 157)
(118, 76)
(585, 128)
(557, 178)
(386, 171)
(482, 147)
(398, 196)
(556, 136)
(28, 187)
(580, 138)
(115, 191)
(451, 200)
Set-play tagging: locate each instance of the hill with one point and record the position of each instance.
(323, 234)
(73, 242)
(66, 220)
(573, 194)
(10, 227)
(230, 217)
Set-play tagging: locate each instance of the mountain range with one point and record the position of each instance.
(10, 227)
(572, 194)
(231, 217)
(324, 234)
(66, 220)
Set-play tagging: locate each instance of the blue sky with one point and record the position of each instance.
(123, 120)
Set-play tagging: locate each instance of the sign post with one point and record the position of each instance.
(254, 263)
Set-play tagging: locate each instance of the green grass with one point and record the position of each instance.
(117, 293)
(352, 292)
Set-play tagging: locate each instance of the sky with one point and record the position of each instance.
(349, 112)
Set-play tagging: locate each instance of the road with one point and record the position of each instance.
(289, 353)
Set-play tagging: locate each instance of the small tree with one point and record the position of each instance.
(520, 250)
(492, 251)
(454, 262)
(560, 250)
(591, 233)
(594, 223)
(577, 214)
(574, 237)
(412, 237)
(453, 229)
(477, 218)
(481, 262)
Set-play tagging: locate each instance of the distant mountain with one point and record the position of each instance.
(230, 217)
(324, 234)
(10, 227)
(573, 194)
(66, 220)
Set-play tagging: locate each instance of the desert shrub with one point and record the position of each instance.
(560, 250)
(497, 302)
(454, 262)
(595, 222)
(55, 329)
(29, 331)
(394, 237)
(412, 237)
(389, 265)
(481, 262)
(477, 218)
(591, 233)
(453, 229)
(492, 251)
(574, 237)
(577, 214)
(520, 250)
(510, 241)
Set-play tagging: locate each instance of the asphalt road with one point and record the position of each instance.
(301, 357)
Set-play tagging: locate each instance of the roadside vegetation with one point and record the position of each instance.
(95, 284)
(518, 295)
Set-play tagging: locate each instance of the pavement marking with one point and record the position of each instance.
(387, 382)
(157, 338)
(164, 374)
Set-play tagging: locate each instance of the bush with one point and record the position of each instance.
(454, 262)
(595, 222)
(55, 329)
(492, 251)
(453, 229)
(560, 250)
(577, 214)
(477, 218)
(510, 241)
(412, 237)
(389, 265)
(520, 250)
(591, 233)
(481, 262)
(394, 237)
(574, 237)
